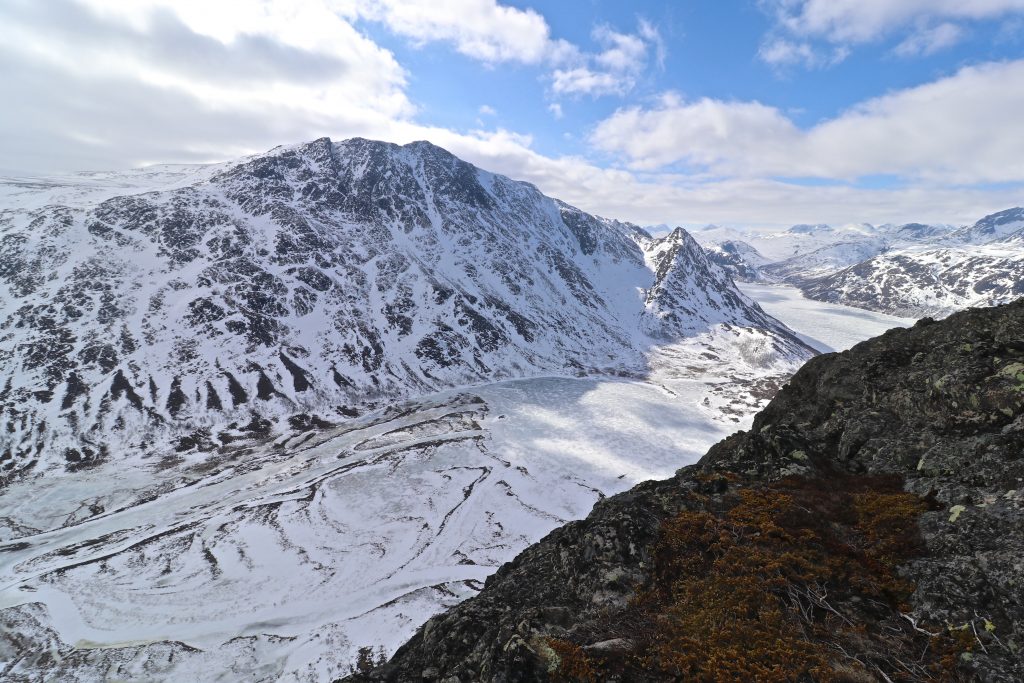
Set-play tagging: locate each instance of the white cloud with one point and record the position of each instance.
(482, 29)
(965, 128)
(650, 199)
(857, 21)
(151, 80)
(928, 41)
(556, 110)
(583, 80)
(926, 26)
(487, 110)
(88, 85)
(780, 52)
(615, 69)
(491, 32)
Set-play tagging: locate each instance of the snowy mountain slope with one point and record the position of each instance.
(802, 250)
(907, 270)
(825, 260)
(803, 239)
(940, 272)
(934, 282)
(306, 285)
(742, 261)
(997, 226)
(88, 189)
(913, 233)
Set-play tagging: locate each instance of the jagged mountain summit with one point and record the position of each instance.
(305, 285)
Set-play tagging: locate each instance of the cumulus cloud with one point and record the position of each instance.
(964, 128)
(119, 84)
(493, 33)
(615, 69)
(780, 52)
(482, 29)
(860, 21)
(927, 26)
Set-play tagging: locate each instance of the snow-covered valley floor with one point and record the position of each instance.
(278, 562)
(826, 327)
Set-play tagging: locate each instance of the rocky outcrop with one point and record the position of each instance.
(883, 488)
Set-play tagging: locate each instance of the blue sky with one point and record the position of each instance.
(711, 49)
(739, 112)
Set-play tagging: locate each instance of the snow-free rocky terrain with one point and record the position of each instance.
(260, 414)
(910, 270)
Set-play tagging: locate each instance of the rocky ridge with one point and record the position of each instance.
(927, 420)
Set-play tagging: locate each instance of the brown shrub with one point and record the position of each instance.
(796, 580)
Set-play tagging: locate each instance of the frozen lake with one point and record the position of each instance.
(826, 327)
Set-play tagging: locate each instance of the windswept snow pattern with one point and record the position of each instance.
(276, 562)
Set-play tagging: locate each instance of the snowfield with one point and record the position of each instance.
(278, 563)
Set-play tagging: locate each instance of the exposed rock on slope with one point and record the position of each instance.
(304, 285)
(737, 258)
(926, 281)
(937, 272)
(918, 433)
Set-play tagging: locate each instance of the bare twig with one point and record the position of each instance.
(913, 622)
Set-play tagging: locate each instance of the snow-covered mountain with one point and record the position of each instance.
(976, 265)
(907, 270)
(801, 250)
(742, 261)
(999, 226)
(923, 281)
(306, 285)
(261, 414)
(826, 259)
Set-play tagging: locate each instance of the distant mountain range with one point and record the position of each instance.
(909, 270)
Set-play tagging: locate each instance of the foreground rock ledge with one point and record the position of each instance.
(938, 407)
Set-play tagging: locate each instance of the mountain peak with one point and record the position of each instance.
(321, 279)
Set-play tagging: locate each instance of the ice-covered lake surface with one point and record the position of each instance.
(824, 326)
(277, 561)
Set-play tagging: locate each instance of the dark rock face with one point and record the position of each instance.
(939, 406)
